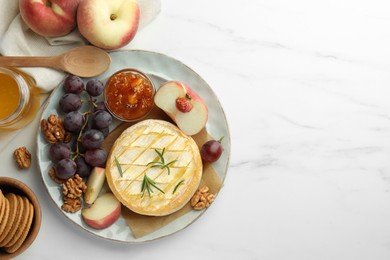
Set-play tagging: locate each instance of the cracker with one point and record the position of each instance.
(24, 211)
(19, 242)
(4, 215)
(13, 207)
(2, 206)
(16, 218)
(1, 199)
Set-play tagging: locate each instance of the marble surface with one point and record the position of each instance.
(305, 87)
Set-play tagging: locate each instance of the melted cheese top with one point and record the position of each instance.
(135, 148)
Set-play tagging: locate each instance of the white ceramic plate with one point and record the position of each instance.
(160, 68)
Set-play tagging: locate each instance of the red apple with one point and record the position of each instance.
(183, 105)
(94, 184)
(49, 17)
(103, 212)
(108, 24)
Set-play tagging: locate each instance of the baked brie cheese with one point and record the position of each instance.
(154, 168)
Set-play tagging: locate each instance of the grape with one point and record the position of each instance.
(73, 121)
(100, 106)
(211, 150)
(96, 157)
(101, 119)
(66, 168)
(105, 131)
(81, 148)
(73, 84)
(83, 169)
(70, 102)
(59, 151)
(94, 87)
(92, 139)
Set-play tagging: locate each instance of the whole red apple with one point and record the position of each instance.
(108, 24)
(49, 17)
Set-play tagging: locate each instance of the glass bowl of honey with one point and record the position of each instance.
(129, 94)
(19, 98)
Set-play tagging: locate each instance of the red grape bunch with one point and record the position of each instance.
(89, 128)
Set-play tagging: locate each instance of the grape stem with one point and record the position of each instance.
(86, 118)
(93, 102)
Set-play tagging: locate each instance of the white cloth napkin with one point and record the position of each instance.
(16, 39)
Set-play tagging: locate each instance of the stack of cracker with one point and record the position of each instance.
(16, 215)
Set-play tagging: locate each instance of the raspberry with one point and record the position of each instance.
(184, 104)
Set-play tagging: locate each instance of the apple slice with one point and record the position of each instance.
(103, 213)
(183, 105)
(94, 184)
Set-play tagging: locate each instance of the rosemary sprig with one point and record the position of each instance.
(161, 163)
(147, 184)
(177, 186)
(118, 166)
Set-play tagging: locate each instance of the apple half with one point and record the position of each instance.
(103, 212)
(183, 105)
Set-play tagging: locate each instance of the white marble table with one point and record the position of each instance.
(306, 89)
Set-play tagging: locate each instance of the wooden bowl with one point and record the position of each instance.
(8, 185)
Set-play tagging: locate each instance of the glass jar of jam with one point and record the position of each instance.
(19, 98)
(129, 94)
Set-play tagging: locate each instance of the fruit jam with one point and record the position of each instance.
(129, 95)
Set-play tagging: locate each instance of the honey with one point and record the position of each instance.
(9, 95)
(19, 99)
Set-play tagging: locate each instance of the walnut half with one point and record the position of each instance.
(71, 205)
(72, 189)
(202, 199)
(52, 174)
(22, 157)
(54, 131)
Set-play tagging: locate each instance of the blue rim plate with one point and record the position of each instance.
(159, 68)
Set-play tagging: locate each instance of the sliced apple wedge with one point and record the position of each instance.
(185, 107)
(94, 184)
(103, 212)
